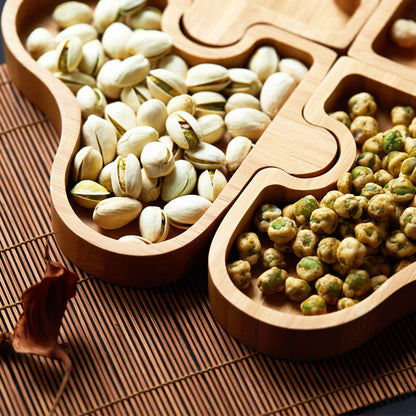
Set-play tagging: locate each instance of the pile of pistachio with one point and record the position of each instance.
(157, 133)
(347, 244)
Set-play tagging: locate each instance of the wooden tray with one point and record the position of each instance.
(333, 23)
(275, 325)
(374, 44)
(154, 265)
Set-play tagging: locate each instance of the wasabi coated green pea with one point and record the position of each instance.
(363, 127)
(412, 127)
(370, 160)
(374, 145)
(348, 206)
(408, 169)
(240, 273)
(344, 303)
(324, 221)
(249, 247)
(393, 162)
(283, 248)
(310, 268)
(304, 208)
(398, 245)
(370, 189)
(368, 234)
(393, 141)
(363, 201)
(407, 222)
(272, 281)
(351, 253)
(382, 207)
(289, 212)
(329, 199)
(401, 189)
(272, 258)
(265, 215)
(382, 177)
(344, 183)
(305, 243)
(313, 305)
(356, 284)
(339, 270)
(297, 289)
(377, 281)
(402, 114)
(282, 230)
(361, 175)
(376, 265)
(409, 144)
(327, 250)
(346, 227)
(341, 116)
(329, 287)
(361, 104)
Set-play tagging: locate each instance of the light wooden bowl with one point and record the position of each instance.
(333, 23)
(275, 325)
(374, 45)
(97, 252)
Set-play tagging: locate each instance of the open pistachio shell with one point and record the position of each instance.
(205, 156)
(75, 80)
(207, 77)
(93, 57)
(246, 122)
(134, 140)
(153, 224)
(152, 113)
(121, 116)
(115, 39)
(92, 101)
(176, 150)
(69, 54)
(157, 160)
(209, 102)
(126, 177)
(84, 31)
(243, 80)
(40, 41)
(87, 164)
(72, 12)
(153, 44)
(181, 181)
(183, 102)
(164, 84)
(89, 193)
(174, 63)
(183, 129)
(135, 96)
(106, 12)
(211, 183)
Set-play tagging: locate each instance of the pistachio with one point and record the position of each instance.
(183, 102)
(176, 150)
(149, 18)
(183, 129)
(174, 63)
(186, 210)
(93, 57)
(75, 80)
(153, 44)
(243, 80)
(237, 150)
(264, 62)
(121, 115)
(101, 135)
(72, 12)
(242, 100)
(152, 113)
(134, 239)
(115, 40)
(39, 42)
(212, 127)
(275, 91)
(207, 77)
(88, 193)
(106, 12)
(69, 54)
(135, 96)
(181, 181)
(246, 122)
(106, 79)
(49, 60)
(211, 183)
(153, 224)
(157, 160)
(132, 71)
(128, 7)
(84, 31)
(164, 84)
(104, 178)
(205, 156)
(150, 188)
(294, 67)
(92, 101)
(87, 164)
(126, 178)
(209, 102)
(134, 139)
(115, 212)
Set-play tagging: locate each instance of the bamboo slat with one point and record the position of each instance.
(154, 351)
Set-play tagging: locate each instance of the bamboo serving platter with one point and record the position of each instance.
(374, 45)
(275, 325)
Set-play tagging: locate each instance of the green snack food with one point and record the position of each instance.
(407, 222)
(324, 220)
(361, 175)
(265, 215)
(364, 127)
(272, 281)
(327, 250)
(351, 253)
(370, 160)
(297, 289)
(304, 208)
(313, 305)
(377, 281)
(329, 287)
(346, 303)
(310, 268)
(240, 273)
(249, 247)
(348, 206)
(272, 258)
(305, 243)
(356, 284)
(282, 230)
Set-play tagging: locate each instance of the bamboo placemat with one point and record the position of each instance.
(154, 352)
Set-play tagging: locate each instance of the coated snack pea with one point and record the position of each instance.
(272, 281)
(356, 284)
(305, 243)
(382, 177)
(348, 206)
(329, 199)
(346, 227)
(398, 245)
(272, 258)
(393, 141)
(368, 234)
(341, 116)
(382, 207)
(401, 189)
(327, 250)
(324, 220)
(370, 189)
(282, 230)
(310, 268)
(362, 104)
(393, 161)
(374, 145)
(364, 127)
(297, 289)
(360, 176)
(344, 183)
(370, 160)
(265, 215)
(408, 169)
(329, 287)
(313, 305)
(240, 273)
(377, 281)
(351, 252)
(407, 222)
(304, 207)
(402, 114)
(345, 302)
(249, 247)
